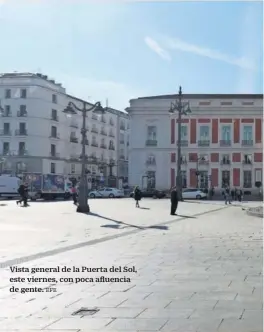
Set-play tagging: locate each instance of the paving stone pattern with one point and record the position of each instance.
(202, 274)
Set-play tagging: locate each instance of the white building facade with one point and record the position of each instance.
(36, 136)
(221, 142)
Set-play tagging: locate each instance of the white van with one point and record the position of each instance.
(9, 186)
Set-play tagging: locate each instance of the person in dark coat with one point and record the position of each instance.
(239, 195)
(25, 196)
(21, 191)
(137, 196)
(174, 201)
(233, 194)
(74, 195)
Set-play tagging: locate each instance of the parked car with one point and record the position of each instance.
(195, 193)
(151, 193)
(107, 192)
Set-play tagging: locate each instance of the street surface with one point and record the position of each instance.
(198, 271)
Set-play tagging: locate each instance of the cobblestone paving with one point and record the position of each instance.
(201, 274)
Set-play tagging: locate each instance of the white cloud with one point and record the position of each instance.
(154, 46)
(178, 44)
(92, 90)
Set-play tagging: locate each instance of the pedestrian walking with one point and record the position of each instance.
(239, 195)
(21, 191)
(74, 195)
(227, 195)
(174, 201)
(25, 196)
(232, 194)
(137, 195)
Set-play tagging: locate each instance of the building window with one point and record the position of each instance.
(247, 179)
(53, 131)
(247, 159)
(21, 148)
(204, 133)
(22, 110)
(22, 128)
(54, 115)
(122, 138)
(6, 129)
(54, 99)
(72, 168)
(225, 159)
(203, 179)
(247, 133)
(184, 179)
(6, 148)
(7, 93)
(151, 176)
(184, 133)
(52, 168)
(225, 179)
(7, 110)
(53, 150)
(23, 93)
(226, 133)
(152, 133)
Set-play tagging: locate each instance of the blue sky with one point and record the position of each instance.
(120, 50)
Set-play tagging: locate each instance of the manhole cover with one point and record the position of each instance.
(85, 312)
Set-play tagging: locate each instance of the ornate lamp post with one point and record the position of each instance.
(71, 109)
(183, 108)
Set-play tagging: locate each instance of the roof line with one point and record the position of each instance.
(207, 96)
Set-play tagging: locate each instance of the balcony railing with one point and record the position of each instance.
(54, 155)
(95, 144)
(22, 152)
(94, 130)
(122, 127)
(204, 143)
(111, 147)
(54, 118)
(73, 139)
(111, 135)
(122, 141)
(74, 125)
(183, 142)
(102, 146)
(6, 152)
(247, 142)
(247, 162)
(92, 159)
(22, 114)
(225, 162)
(122, 157)
(86, 142)
(203, 162)
(151, 142)
(20, 132)
(55, 136)
(103, 132)
(225, 143)
(6, 114)
(4, 132)
(74, 157)
(151, 162)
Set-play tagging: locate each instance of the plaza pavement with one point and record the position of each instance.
(201, 271)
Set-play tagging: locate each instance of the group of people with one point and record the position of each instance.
(233, 194)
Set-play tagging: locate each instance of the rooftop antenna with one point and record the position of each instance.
(106, 103)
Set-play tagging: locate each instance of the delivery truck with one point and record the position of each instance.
(47, 186)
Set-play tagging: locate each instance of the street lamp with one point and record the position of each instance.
(183, 108)
(70, 110)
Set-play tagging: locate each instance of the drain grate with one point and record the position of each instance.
(85, 312)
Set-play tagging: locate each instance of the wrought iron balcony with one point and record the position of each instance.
(4, 132)
(6, 152)
(111, 147)
(204, 143)
(247, 162)
(94, 130)
(21, 132)
(6, 114)
(111, 135)
(95, 144)
(55, 136)
(247, 142)
(103, 120)
(151, 142)
(54, 155)
(122, 157)
(74, 157)
(73, 139)
(22, 114)
(203, 162)
(225, 142)
(22, 152)
(151, 162)
(225, 162)
(103, 146)
(103, 132)
(54, 118)
(74, 124)
(183, 143)
(86, 142)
